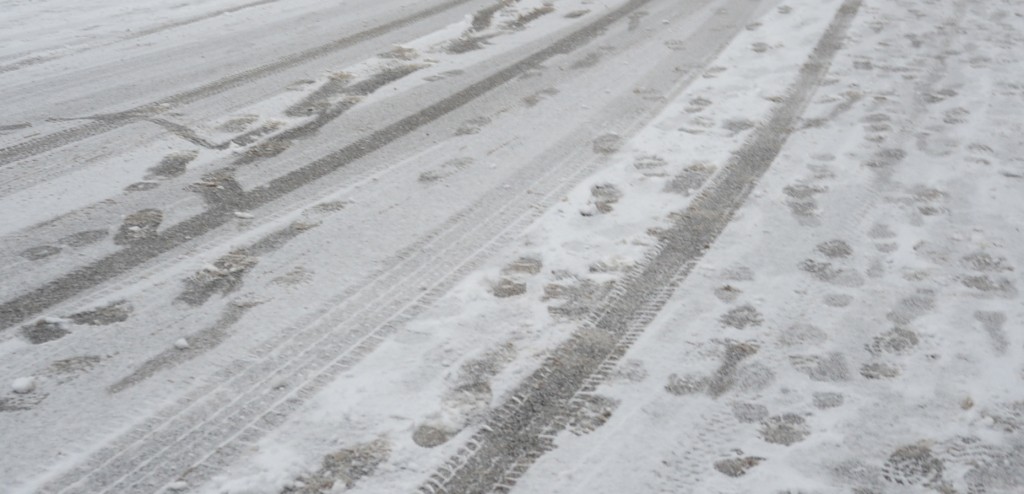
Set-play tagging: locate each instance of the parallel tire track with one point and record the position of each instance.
(524, 428)
(220, 419)
(88, 277)
(108, 123)
(214, 243)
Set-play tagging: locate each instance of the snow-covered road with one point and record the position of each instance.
(512, 245)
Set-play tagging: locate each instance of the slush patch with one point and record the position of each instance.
(524, 19)
(607, 144)
(468, 400)
(592, 412)
(649, 163)
(754, 377)
(630, 371)
(45, 330)
(634, 20)
(737, 126)
(786, 429)
(742, 317)
(879, 370)
(835, 249)
(993, 323)
(344, 468)
(82, 239)
(737, 467)
(912, 465)
(21, 402)
(802, 191)
(467, 43)
(589, 60)
(826, 400)
(802, 334)
(822, 368)
(428, 436)
(297, 276)
(142, 186)
(579, 298)
(74, 365)
(838, 299)
(524, 265)
(725, 377)
(114, 312)
(749, 413)
(238, 124)
(321, 99)
(508, 288)
(186, 348)
(224, 276)
(139, 226)
(999, 286)
(738, 273)
(482, 18)
(698, 105)
(472, 126)
(174, 164)
(686, 385)
(691, 179)
(400, 53)
(886, 158)
(40, 252)
(604, 196)
(449, 168)
(986, 263)
(823, 271)
(728, 293)
(535, 98)
(895, 341)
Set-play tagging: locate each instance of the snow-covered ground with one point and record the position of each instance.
(715, 246)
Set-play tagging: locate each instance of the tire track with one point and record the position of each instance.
(106, 123)
(153, 269)
(67, 286)
(524, 428)
(218, 418)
